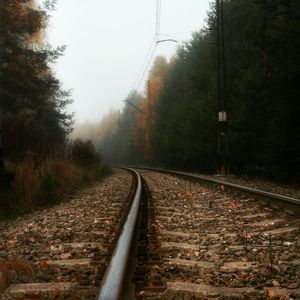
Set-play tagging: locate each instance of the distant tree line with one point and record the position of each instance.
(33, 116)
(179, 124)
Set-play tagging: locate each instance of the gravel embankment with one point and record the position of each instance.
(217, 246)
(62, 243)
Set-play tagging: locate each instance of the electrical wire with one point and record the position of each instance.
(156, 38)
(146, 67)
(149, 56)
(150, 49)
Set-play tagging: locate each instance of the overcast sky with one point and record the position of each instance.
(107, 43)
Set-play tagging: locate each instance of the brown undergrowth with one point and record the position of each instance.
(45, 183)
(15, 271)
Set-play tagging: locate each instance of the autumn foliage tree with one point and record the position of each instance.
(33, 104)
(144, 122)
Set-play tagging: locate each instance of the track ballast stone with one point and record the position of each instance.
(62, 252)
(214, 245)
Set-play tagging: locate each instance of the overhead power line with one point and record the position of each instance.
(151, 51)
(146, 66)
(145, 62)
(152, 47)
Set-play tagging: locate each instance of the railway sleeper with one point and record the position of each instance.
(50, 290)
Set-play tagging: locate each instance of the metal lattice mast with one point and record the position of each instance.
(157, 27)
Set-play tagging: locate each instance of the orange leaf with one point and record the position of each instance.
(271, 294)
(233, 204)
(187, 194)
(42, 264)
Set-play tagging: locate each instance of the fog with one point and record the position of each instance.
(107, 46)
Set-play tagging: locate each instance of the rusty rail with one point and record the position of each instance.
(237, 187)
(114, 283)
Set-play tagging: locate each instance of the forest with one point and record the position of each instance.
(172, 124)
(38, 163)
(176, 124)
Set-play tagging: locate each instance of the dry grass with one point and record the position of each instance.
(43, 184)
(15, 271)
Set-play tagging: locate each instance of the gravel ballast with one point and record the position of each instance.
(69, 242)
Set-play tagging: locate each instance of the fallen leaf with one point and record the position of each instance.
(12, 242)
(65, 255)
(161, 226)
(275, 283)
(32, 239)
(233, 204)
(271, 294)
(42, 264)
(187, 194)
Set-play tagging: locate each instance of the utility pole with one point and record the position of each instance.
(222, 167)
(157, 25)
(149, 124)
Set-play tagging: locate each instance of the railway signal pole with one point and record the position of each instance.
(222, 167)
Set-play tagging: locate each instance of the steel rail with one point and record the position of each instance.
(115, 275)
(229, 185)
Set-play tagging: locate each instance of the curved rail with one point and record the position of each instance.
(115, 276)
(114, 282)
(229, 185)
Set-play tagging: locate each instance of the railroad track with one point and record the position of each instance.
(213, 244)
(63, 252)
(183, 240)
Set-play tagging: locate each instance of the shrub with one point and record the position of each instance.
(45, 183)
(101, 171)
(49, 186)
(84, 152)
